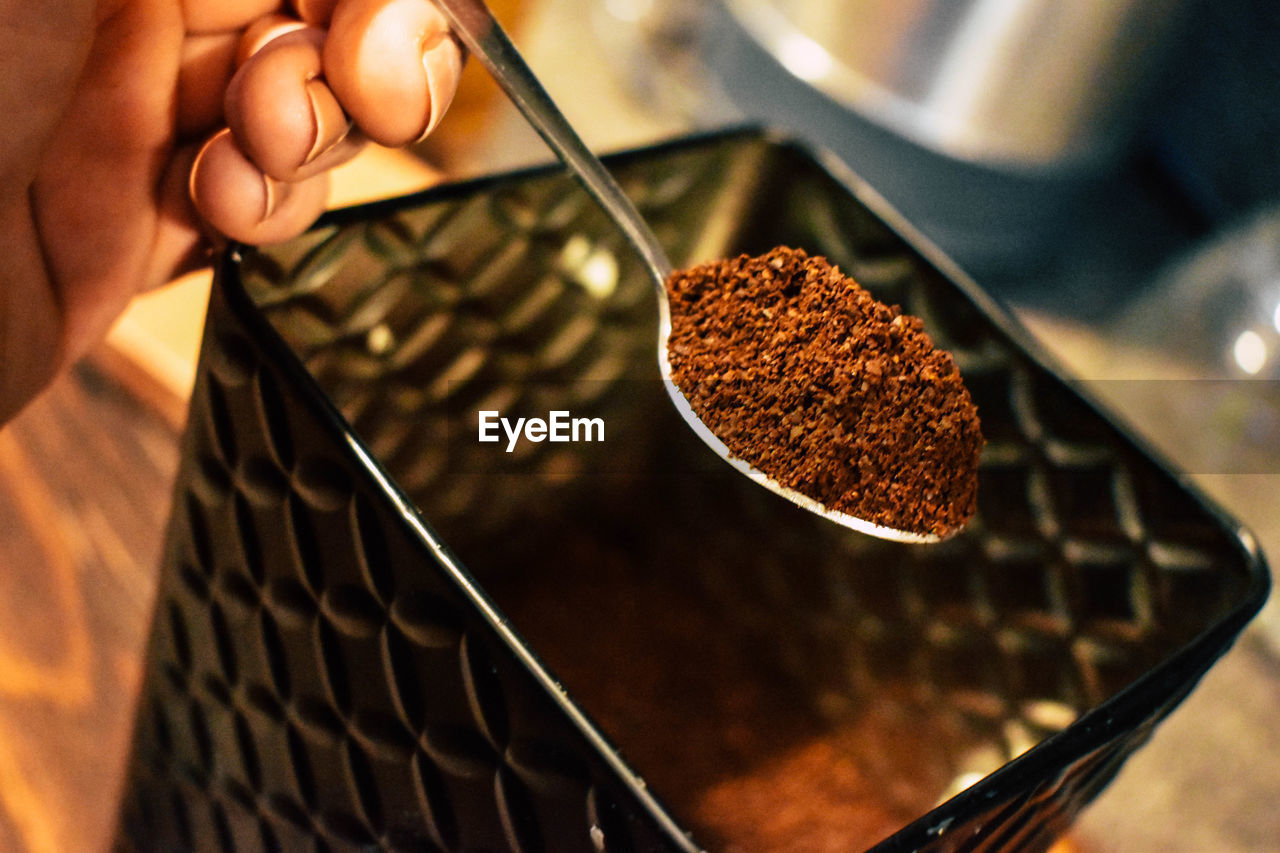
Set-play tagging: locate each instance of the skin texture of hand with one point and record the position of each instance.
(120, 113)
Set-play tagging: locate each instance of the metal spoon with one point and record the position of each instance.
(475, 25)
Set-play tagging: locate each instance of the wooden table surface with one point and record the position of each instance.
(85, 475)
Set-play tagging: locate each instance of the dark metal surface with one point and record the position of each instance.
(333, 666)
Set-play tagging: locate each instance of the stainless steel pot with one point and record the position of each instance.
(1020, 84)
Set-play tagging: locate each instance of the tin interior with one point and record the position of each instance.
(775, 679)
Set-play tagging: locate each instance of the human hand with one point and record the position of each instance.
(120, 113)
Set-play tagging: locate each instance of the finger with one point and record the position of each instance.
(393, 65)
(244, 204)
(180, 245)
(283, 115)
(207, 63)
(315, 12)
(219, 16)
(262, 32)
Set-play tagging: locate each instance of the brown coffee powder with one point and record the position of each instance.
(808, 378)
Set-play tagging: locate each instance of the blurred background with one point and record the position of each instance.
(1110, 169)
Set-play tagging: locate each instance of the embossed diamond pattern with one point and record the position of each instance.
(315, 683)
(322, 677)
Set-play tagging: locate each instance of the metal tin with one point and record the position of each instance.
(374, 631)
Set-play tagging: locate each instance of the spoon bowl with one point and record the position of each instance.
(483, 36)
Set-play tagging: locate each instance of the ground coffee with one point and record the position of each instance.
(808, 378)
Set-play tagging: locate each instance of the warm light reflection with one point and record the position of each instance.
(804, 57)
(593, 267)
(1276, 317)
(631, 11)
(1250, 352)
(599, 274)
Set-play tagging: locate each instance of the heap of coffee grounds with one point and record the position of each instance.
(808, 378)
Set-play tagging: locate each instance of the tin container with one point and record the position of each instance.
(376, 631)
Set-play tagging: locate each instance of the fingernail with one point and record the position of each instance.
(331, 122)
(262, 32)
(442, 62)
(271, 195)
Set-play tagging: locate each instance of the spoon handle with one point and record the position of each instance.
(475, 25)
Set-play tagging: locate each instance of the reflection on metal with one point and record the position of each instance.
(1029, 83)
(1250, 352)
